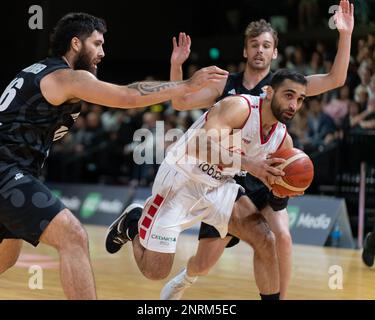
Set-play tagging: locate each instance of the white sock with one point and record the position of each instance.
(188, 278)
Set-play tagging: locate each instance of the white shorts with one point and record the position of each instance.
(177, 203)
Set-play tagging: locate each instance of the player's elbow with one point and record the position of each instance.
(341, 82)
(337, 82)
(180, 104)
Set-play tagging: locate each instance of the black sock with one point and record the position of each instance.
(275, 296)
(133, 229)
(371, 241)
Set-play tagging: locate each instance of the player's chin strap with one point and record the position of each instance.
(281, 182)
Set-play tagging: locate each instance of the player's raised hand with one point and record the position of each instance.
(344, 17)
(181, 49)
(206, 76)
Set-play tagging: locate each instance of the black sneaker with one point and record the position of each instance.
(117, 234)
(367, 254)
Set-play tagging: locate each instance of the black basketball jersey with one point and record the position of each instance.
(28, 122)
(235, 86)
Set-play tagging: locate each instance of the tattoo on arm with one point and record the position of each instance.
(145, 88)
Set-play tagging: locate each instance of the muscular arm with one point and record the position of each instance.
(228, 115)
(320, 83)
(202, 98)
(64, 85)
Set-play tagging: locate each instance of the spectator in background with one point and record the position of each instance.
(89, 143)
(372, 87)
(298, 128)
(352, 119)
(367, 119)
(361, 96)
(321, 128)
(298, 60)
(145, 173)
(316, 64)
(338, 107)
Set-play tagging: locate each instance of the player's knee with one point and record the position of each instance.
(284, 240)
(71, 233)
(266, 243)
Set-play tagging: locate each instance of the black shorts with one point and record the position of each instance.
(27, 206)
(258, 194)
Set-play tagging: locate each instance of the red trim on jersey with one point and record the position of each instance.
(142, 233)
(158, 200)
(248, 116)
(152, 210)
(146, 222)
(282, 141)
(274, 126)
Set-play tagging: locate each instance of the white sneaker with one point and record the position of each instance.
(175, 288)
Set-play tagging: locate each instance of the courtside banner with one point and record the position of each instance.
(312, 220)
(92, 204)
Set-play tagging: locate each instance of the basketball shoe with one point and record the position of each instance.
(175, 288)
(124, 228)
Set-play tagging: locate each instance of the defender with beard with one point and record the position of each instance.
(38, 107)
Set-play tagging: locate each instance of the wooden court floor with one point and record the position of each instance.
(117, 276)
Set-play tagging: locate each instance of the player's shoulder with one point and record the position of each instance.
(244, 100)
(233, 106)
(69, 76)
(238, 101)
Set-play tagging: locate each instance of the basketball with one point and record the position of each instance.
(299, 172)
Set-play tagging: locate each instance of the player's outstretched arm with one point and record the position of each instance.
(65, 85)
(320, 83)
(202, 98)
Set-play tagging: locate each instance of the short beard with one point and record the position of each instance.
(278, 114)
(83, 63)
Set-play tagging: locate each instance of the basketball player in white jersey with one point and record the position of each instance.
(260, 49)
(186, 192)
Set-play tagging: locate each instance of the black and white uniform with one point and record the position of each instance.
(28, 126)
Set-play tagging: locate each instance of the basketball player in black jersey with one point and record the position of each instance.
(39, 106)
(260, 48)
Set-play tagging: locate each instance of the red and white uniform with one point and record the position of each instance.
(187, 190)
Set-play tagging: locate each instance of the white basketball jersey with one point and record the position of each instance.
(252, 144)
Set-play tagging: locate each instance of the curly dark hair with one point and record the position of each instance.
(75, 24)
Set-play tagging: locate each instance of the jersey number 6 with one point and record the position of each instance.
(9, 93)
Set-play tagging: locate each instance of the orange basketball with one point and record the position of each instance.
(299, 172)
